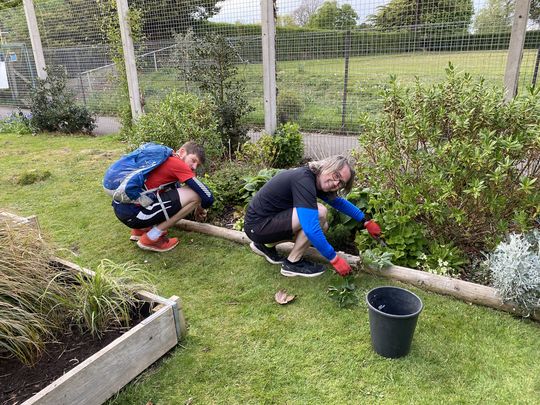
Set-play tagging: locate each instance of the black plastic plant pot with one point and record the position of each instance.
(393, 313)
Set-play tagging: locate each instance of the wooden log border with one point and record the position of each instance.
(464, 290)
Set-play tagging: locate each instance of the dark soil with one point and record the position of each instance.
(19, 382)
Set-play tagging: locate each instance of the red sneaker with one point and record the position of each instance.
(137, 233)
(163, 244)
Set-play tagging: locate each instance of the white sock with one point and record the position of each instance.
(154, 233)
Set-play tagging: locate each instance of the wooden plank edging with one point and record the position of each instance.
(464, 290)
(98, 377)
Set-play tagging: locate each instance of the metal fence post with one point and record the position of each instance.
(345, 79)
(268, 25)
(129, 57)
(35, 38)
(515, 49)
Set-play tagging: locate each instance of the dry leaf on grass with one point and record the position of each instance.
(283, 298)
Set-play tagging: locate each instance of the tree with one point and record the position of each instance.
(306, 9)
(534, 14)
(285, 21)
(409, 14)
(163, 18)
(332, 17)
(495, 17)
(211, 62)
(5, 4)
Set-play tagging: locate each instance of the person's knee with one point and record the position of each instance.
(188, 196)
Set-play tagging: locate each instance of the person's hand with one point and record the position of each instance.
(341, 265)
(200, 214)
(373, 228)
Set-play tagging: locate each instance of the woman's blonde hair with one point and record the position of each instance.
(333, 164)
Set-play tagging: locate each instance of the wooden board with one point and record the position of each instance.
(100, 376)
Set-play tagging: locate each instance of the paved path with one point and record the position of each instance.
(105, 125)
(315, 145)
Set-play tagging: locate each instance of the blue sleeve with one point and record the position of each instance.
(207, 199)
(348, 208)
(309, 221)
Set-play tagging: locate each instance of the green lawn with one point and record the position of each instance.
(318, 84)
(243, 348)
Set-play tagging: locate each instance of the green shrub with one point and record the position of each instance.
(289, 106)
(282, 150)
(16, 123)
(180, 117)
(255, 183)
(404, 237)
(515, 269)
(454, 159)
(53, 106)
(443, 259)
(227, 184)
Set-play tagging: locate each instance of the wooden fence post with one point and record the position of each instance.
(35, 38)
(268, 26)
(129, 58)
(515, 49)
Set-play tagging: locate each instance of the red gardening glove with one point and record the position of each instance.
(373, 228)
(341, 265)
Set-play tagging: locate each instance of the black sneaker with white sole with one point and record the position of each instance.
(301, 268)
(269, 253)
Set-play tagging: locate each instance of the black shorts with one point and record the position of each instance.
(137, 217)
(273, 229)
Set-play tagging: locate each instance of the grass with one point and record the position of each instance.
(242, 347)
(319, 83)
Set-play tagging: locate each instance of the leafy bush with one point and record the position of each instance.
(255, 183)
(515, 269)
(445, 260)
(376, 261)
(53, 106)
(405, 241)
(454, 159)
(227, 184)
(289, 106)
(180, 117)
(282, 150)
(211, 61)
(17, 123)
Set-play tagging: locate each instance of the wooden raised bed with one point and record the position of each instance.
(464, 290)
(103, 374)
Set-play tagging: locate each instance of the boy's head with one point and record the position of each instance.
(192, 154)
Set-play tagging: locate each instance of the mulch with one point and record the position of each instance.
(19, 382)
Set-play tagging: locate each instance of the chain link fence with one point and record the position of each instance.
(332, 58)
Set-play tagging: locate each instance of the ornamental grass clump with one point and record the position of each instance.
(40, 301)
(452, 163)
(108, 299)
(28, 284)
(515, 270)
